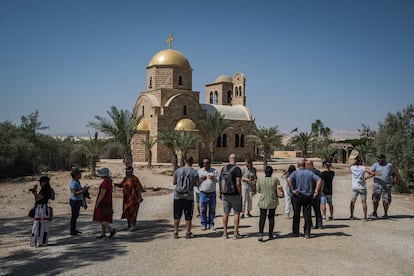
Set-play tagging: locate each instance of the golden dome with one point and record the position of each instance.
(170, 57)
(185, 124)
(143, 125)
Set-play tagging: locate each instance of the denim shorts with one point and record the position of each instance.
(326, 199)
(362, 192)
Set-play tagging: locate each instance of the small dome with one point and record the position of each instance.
(185, 124)
(143, 125)
(170, 57)
(224, 78)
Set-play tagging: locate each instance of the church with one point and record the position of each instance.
(170, 102)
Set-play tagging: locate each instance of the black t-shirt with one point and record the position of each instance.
(234, 174)
(327, 177)
(46, 193)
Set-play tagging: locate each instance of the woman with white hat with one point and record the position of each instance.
(103, 212)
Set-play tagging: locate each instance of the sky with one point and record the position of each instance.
(346, 63)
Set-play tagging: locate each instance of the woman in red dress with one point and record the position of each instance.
(103, 212)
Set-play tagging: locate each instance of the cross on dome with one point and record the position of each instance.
(170, 40)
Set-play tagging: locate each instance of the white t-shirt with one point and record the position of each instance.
(358, 177)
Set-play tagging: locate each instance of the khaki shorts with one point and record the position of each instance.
(383, 192)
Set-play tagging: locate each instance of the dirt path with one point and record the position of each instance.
(344, 247)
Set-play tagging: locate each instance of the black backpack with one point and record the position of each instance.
(227, 186)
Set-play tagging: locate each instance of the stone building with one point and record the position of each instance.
(169, 101)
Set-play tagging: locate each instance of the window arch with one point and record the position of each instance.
(211, 97)
(150, 83)
(236, 141)
(240, 91)
(184, 110)
(218, 142)
(229, 97)
(142, 110)
(224, 143)
(180, 80)
(242, 140)
(237, 91)
(215, 97)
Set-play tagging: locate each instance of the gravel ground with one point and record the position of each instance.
(343, 247)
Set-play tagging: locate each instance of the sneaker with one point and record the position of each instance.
(352, 218)
(324, 217)
(385, 217)
(272, 237)
(307, 236)
(331, 218)
(133, 228)
(175, 235)
(113, 232)
(237, 236)
(189, 235)
(260, 237)
(249, 216)
(225, 236)
(373, 215)
(242, 216)
(203, 228)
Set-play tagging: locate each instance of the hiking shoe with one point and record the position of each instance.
(237, 236)
(225, 236)
(189, 235)
(175, 235)
(113, 232)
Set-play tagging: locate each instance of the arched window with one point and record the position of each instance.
(184, 110)
(224, 143)
(237, 92)
(211, 97)
(229, 97)
(242, 141)
(150, 83)
(143, 109)
(240, 91)
(180, 80)
(215, 98)
(218, 142)
(236, 141)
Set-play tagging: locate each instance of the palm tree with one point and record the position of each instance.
(214, 126)
(186, 141)
(168, 137)
(92, 148)
(302, 141)
(148, 144)
(267, 139)
(121, 126)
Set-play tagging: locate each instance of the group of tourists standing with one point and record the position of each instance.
(306, 188)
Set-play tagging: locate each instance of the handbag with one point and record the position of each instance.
(279, 191)
(32, 212)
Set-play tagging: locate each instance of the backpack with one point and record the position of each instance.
(227, 186)
(183, 185)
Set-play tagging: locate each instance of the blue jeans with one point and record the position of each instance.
(207, 208)
(75, 208)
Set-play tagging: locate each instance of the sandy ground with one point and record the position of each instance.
(343, 247)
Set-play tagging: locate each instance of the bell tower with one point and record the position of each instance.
(239, 91)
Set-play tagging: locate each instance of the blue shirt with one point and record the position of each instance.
(303, 181)
(75, 185)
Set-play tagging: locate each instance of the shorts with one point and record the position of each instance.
(326, 199)
(232, 201)
(183, 205)
(362, 192)
(379, 191)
